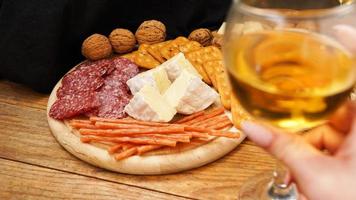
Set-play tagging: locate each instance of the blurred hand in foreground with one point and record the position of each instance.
(322, 162)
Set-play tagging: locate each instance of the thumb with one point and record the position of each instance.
(290, 148)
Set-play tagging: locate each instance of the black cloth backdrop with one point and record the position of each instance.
(41, 39)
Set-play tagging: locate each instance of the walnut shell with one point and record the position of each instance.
(122, 40)
(218, 40)
(214, 33)
(151, 32)
(96, 47)
(201, 35)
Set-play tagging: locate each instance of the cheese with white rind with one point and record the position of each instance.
(177, 64)
(149, 105)
(189, 94)
(162, 80)
(156, 78)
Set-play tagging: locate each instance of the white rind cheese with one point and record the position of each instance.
(176, 65)
(156, 78)
(189, 94)
(149, 105)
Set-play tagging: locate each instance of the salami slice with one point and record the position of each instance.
(125, 69)
(79, 82)
(95, 89)
(98, 68)
(115, 94)
(112, 102)
(73, 105)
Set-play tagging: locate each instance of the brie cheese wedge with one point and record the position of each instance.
(177, 64)
(149, 105)
(156, 78)
(189, 94)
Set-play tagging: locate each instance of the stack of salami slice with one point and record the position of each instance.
(95, 89)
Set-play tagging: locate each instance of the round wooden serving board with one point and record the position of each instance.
(159, 163)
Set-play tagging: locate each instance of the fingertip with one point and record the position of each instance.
(258, 133)
(342, 119)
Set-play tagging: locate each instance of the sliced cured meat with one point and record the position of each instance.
(112, 101)
(125, 68)
(86, 77)
(74, 104)
(80, 82)
(95, 89)
(98, 68)
(113, 98)
(114, 95)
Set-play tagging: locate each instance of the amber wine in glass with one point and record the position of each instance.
(291, 78)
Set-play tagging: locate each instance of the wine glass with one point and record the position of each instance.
(291, 64)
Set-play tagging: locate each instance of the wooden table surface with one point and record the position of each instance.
(34, 166)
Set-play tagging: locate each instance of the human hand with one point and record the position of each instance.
(318, 175)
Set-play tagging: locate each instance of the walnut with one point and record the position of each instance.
(122, 40)
(214, 33)
(96, 47)
(201, 35)
(218, 40)
(151, 32)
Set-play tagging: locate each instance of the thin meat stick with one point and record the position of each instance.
(199, 135)
(127, 146)
(196, 129)
(115, 148)
(212, 121)
(129, 121)
(126, 153)
(131, 140)
(109, 125)
(227, 134)
(116, 132)
(221, 125)
(190, 117)
(146, 148)
(179, 138)
(213, 113)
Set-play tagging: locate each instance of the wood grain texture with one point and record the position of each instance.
(25, 136)
(24, 181)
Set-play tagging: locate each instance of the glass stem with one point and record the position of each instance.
(280, 189)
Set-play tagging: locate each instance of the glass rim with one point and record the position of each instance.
(292, 14)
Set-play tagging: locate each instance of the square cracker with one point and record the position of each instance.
(172, 48)
(142, 58)
(223, 84)
(154, 51)
(145, 60)
(210, 71)
(238, 113)
(189, 46)
(201, 56)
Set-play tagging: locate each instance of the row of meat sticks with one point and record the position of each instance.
(128, 137)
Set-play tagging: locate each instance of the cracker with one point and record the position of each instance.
(142, 58)
(154, 51)
(210, 70)
(145, 60)
(189, 46)
(238, 113)
(171, 48)
(129, 56)
(201, 56)
(223, 84)
(144, 47)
